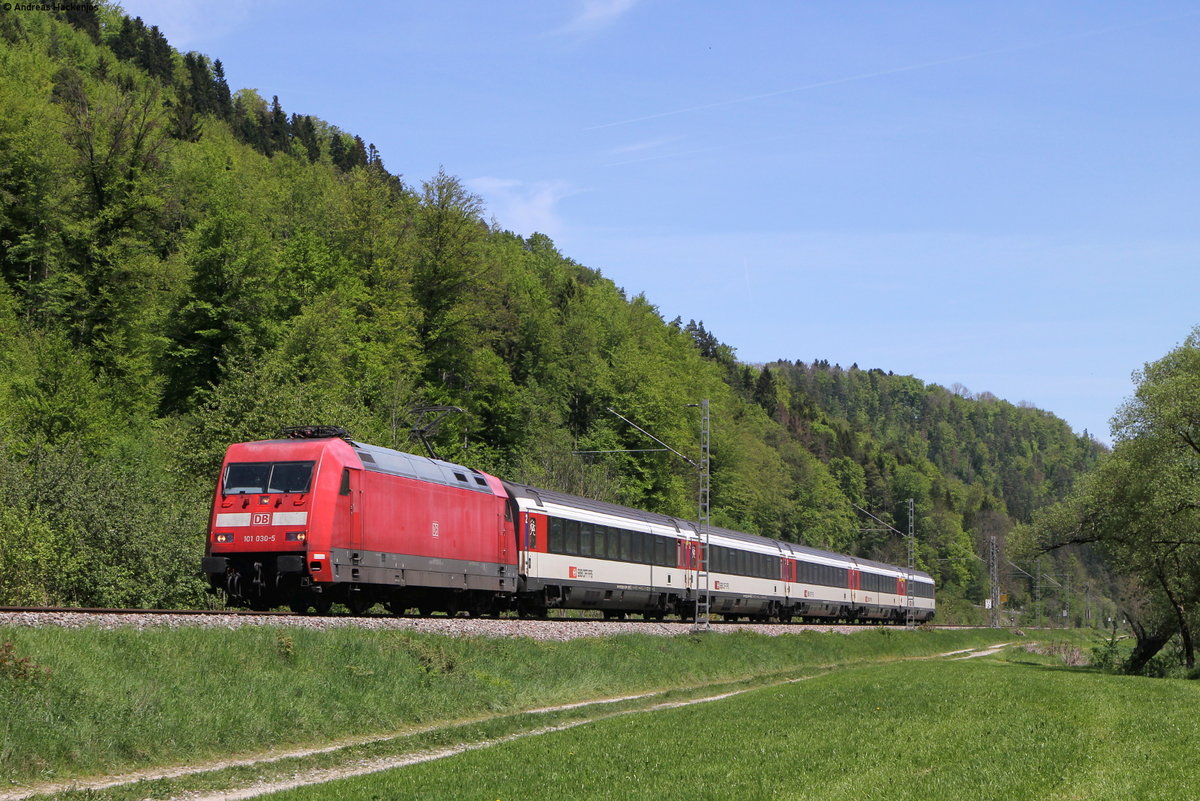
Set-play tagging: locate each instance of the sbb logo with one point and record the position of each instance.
(260, 519)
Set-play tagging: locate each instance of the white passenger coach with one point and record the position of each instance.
(578, 553)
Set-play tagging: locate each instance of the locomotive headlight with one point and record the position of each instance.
(296, 536)
(224, 538)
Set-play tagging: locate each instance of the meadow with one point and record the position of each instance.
(809, 715)
(1011, 727)
(90, 701)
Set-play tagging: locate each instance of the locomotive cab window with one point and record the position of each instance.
(256, 478)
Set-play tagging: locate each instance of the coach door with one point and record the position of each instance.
(689, 560)
(854, 580)
(787, 572)
(531, 535)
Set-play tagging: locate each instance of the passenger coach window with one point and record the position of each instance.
(666, 551)
(585, 540)
(612, 542)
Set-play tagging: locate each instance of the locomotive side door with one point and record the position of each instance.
(348, 522)
(506, 530)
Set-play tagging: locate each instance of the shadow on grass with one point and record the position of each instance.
(1042, 666)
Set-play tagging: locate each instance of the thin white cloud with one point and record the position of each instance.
(807, 86)
(189, 23)
(640, 147)
(1000, 51)
(524, 207)
(594, 15)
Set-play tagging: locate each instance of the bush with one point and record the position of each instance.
(1109, 656)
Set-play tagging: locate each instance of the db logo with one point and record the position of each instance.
(260, 519)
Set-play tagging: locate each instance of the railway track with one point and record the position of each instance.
(554, 628)
(102, 611)
(49, 610)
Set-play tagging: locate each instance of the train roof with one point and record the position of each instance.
(409, 465)
(387, 460)
(543, 496)
(806, 550)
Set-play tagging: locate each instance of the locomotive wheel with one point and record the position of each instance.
(479, 606)
(298, 607)
(323, 605)
(358, 603)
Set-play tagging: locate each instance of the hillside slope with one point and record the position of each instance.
(184, 267)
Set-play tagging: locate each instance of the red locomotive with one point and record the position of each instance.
(317, 518)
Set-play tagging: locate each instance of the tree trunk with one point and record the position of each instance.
(1181, 622)
(1149, 643)
(1188, 653)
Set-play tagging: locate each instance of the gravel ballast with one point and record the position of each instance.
(560, 630)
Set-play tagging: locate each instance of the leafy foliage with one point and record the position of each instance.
(1142, 506)
(975, 466)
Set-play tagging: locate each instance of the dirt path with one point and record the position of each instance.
(390, 763)
(364, 767)
(358, 768)
(985, 651)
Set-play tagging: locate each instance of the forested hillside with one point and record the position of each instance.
(184, 267)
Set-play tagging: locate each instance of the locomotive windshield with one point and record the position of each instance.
(255, 478)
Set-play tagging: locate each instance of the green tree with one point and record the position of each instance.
(279, 131)
(766, 392)
(222, 100)
(447, 274)
(1142, 505)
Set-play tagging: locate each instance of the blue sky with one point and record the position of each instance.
(1001, 195)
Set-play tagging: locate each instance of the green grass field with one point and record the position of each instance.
(127, 699)
(1010, 728)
